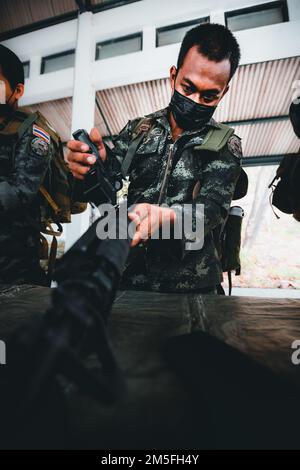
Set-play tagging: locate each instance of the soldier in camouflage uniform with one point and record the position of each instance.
(23, 164)
(174, 164)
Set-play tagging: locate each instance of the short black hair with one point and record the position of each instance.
(11, 67)
(214, 41)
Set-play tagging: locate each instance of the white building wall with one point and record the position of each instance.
(259, 44)
(294, 9)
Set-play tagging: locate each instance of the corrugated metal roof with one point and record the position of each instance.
(109, 3)
(127, 102)
(15, 14)
(58, 113)
(257, 90)
(269, 138)
(262, 90)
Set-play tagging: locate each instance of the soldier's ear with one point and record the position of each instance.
(19, 91)
(173, 73)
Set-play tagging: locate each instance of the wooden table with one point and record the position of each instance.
(202, 371)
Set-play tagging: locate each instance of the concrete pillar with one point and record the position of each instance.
(35, 67)
(83, 108)
(149, 38)
(294, 9)
(217, 17)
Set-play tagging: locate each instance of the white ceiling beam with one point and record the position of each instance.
(260, 44)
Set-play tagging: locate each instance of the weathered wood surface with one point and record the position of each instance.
(206, 397)
(263, 328)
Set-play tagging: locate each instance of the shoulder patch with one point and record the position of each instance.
(144, 125)
(39, 132)
(39, 146)
(235, 146)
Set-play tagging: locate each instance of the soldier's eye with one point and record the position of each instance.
(187, 89)
(209, 99)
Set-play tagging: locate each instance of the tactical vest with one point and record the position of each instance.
(214, 141)
(56, 204)
(227, 236)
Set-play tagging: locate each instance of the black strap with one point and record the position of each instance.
(26, 124)
(143, 126)
(130, 154)
(52, 259)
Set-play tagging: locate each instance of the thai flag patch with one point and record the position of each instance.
(39, 132)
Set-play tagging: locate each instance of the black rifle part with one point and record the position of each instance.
(101, 183)
(74, 329)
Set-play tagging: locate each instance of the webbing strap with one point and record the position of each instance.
(49, 199)
(26, 124)
(130, 154)
(141, 128)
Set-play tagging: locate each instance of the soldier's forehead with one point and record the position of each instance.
(203, 71)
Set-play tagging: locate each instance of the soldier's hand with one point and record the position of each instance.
(148, 218)
(78, 160)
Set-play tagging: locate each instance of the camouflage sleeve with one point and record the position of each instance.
(217, 185)
(31, 160)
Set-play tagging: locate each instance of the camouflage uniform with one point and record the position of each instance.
(23, 164)
(166, 266)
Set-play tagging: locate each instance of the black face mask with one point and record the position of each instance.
(188, 114)
(7, 108)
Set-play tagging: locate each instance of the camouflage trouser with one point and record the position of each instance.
(208, 291)
(140, 276)
(127, 284)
